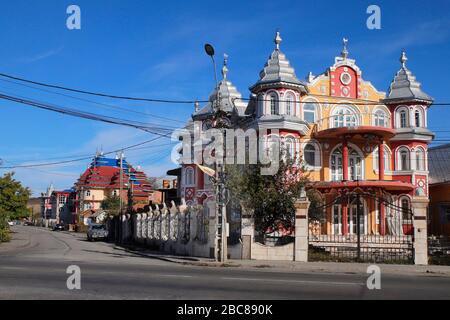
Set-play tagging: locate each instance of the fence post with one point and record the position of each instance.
(419, 207)
(301, 230)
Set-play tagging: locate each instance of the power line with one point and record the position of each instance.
(80, 159)
(100, 94)
(109, 106)
(88, 115)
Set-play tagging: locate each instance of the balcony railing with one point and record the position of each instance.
(352, 120)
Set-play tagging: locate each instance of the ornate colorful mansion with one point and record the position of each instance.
(351, 137)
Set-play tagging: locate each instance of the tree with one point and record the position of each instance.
(13, 203)
(13, 198)
(111, 205)
(271, 198)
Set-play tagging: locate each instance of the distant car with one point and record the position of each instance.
(11, 223)
(27, 223)
(97, 232)
(59, 227)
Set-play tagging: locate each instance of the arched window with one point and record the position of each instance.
(290, 105)
(420, 160)
(403, 119)
(273, 145)
(344, 117)
(418, 118)
(310, 155)
(387, 159)
(273, 104)
(290, 147)
(406, 209)
(309, 112)
(260, 104)
(404, 160)
(355, 165)
(380, 119)
(189, 176)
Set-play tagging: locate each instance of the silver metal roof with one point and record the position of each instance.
(231, 98)
(439, 164)
(405, 87)
(278, 68)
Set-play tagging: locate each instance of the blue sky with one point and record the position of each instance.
(155, 49)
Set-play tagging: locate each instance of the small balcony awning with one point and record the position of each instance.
(392, 186)
(363, 131)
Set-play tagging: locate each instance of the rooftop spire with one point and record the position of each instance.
(197, 106)
(344, 52)
(225, 63)
(403, 59)
(278, 40)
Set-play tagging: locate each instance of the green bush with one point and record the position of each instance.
(5, 236)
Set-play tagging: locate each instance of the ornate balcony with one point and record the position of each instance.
(365, 125)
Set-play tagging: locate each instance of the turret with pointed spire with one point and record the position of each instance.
(278, 70)
(405, 87)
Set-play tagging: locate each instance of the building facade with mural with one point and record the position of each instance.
(364, 150)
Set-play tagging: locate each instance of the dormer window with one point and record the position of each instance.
(273, 105)
(403, 119)
(418, 118)
(289, 105)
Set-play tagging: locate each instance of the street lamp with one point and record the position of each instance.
(221, 213)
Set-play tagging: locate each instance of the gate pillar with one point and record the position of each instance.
(301, 230)
(419, 208)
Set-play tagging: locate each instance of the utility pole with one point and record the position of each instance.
(221, 208)
(120, 196)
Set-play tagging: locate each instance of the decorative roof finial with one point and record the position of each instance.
(403, 59)
(344, 52)
(278, 40)
(197, 106)
(225, 63)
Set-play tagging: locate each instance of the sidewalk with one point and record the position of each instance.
(298, 267)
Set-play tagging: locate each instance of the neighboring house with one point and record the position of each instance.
(165, 190)
(351, 137)
(46, 205)
(102, 180)
(63, 206)
(439, 163)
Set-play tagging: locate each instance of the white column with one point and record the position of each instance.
(301, 231)
(419, 207)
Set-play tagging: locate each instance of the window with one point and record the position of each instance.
(309, 112)
(406, 210)
(88, 193)
(310, 155)
(404, 160)
(115, 193)
(62, 199)
(403, 119)
(380, 119)
(290, 147)
(355, 165)
(344, 117)
(273, 105)
(260, 104)
(189, 176)
(387, 159)
(420, 160)
(289, 105)
(418, 118)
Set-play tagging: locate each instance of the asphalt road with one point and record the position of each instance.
(34, 266)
